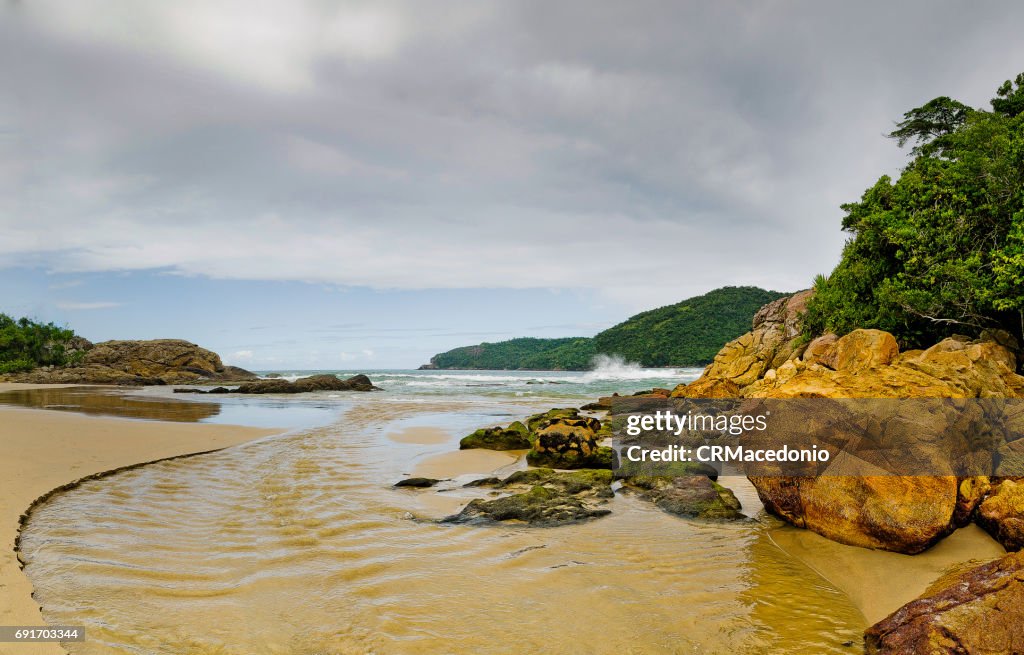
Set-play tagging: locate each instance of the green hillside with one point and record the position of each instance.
(688, 333)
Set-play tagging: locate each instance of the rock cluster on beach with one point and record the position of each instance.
(565, 439)
(558, 438)
(154, 362)
(323, 382)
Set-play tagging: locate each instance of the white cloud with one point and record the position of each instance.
(651, 152)
(84, 306)
(242, 356)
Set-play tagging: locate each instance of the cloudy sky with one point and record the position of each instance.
(320, 184)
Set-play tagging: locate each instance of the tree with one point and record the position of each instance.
(927, 124)
(1009, 101)
(941, 249)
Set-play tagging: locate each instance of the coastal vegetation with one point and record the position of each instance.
(26, 344)
(940, 250)
(687, 333)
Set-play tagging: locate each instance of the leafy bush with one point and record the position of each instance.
(941, 249)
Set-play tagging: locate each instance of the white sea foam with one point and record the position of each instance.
(614, 367)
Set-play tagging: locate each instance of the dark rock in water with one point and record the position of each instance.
(484, 482)
(302, 385)
(417, 482)
(540, 507)
(273, 376)
(214, 390)
(691, 496)
(595, 482)
(980, 610)
(313, 383)
(427, 367)
(1001, 514)
(550, 498)
(514, 437)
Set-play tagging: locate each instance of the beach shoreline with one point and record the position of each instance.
(47, 450)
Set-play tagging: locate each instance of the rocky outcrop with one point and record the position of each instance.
(569, 443)
(515, 437)
(774, 339)
(158, 361)
(904, 514)
(551, 498)
(977, 611)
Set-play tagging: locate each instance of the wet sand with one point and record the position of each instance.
(425, 435)
(43, 450)
(879, 582)
(465, 462)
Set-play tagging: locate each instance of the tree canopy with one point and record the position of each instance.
(26, 344)
(940, 250)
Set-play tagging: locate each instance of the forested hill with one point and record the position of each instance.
(688, 333)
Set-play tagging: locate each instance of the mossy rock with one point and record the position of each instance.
(596, 482)
(539, 507)
(692, 496)
(533, 422)
(641, 470)
(515, 437)
(601, 457)
(548, 498)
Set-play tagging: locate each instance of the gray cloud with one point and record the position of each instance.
(651, 150)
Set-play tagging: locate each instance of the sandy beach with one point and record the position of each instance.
(44, 450)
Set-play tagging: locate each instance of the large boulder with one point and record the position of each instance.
(974, 612)
(1001, 513)
(157, 361)
(898, 513)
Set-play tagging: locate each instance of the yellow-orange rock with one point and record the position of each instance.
(1001, 514)
(861, 350)
(904, 514)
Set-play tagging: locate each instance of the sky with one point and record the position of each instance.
(359, 185)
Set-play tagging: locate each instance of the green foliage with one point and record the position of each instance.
(26, 344)
(1009, 100)
(929, 123)
(688, 333)
(941, 249)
